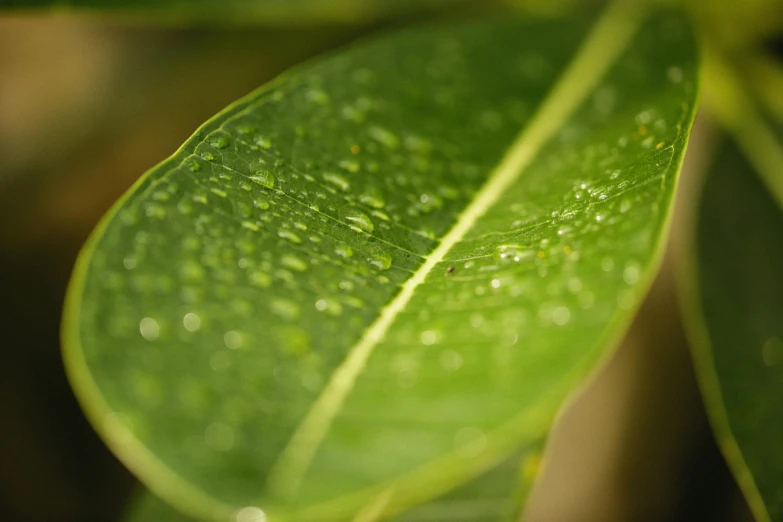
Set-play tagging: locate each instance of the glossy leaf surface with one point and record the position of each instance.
(378, 277)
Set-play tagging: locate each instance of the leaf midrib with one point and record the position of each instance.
(595, 56)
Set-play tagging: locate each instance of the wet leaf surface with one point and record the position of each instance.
(378, 277)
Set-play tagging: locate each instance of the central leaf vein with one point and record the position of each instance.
(603, 46)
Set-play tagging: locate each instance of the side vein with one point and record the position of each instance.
(610, 35)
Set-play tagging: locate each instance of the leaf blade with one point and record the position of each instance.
(127, 267)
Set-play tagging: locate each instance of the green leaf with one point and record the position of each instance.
(731, 286)
(379, 276)
(495, 496)
(267, 11)
(734, 289)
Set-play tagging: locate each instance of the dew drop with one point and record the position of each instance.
(372, 199)
(429, 337)
(317, 96)
(259, 279)
(191, 322)
(384, 136)
(193, 165)
(293, 263)
(219, 143)
(149, 328)
(631, 274)
(513, 253)
(359, 222)
(476, 320)
(289, 235)
(337, 180)
(381, 260)
(264, 178)
(284, 308)
(329, 306)
(561, 315)
(250, 514)
(233, 339)
(674, 74)
(343, 251)
(351, 165)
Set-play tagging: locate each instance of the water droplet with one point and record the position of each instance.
(259, 279)
(250, 514)
(284, 308)
(219, 192)
(360, 222)
(329, 306)
(372, 199)
(514, 253)
(337, 180)
(429, 337)
(289, 235)
(264, 178)
(192, 165)
(561, 315)
(207, 156)
(381, 260)
(317, 96)
(263, 142)
(631, 274)
(674, 74)
(351, 165)
(129, 262)
(385, 137)
(343, 251)
(149, 328)
(233, 339)
(294, 263)
(191, 322)
(219, 142)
